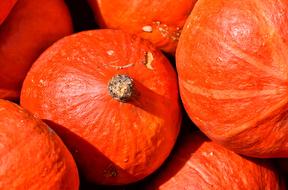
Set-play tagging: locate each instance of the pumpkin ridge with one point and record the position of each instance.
(261, 10)
(234, 50)
(238, 130)
(229, 94)
(274, 32)
(270, 113)
(199, 172)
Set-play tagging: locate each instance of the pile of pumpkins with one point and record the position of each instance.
(116, 104)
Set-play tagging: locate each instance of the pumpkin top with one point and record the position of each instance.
(121, 87)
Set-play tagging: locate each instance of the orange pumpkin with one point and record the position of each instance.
(32, 156)
(5, 8)
(160, 22)
(202, 164)
(232, 65)
(112, 97)
(29, 29)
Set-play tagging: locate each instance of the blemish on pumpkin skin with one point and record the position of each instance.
(110, 171)
(110, 52)
(147, 28)
(168, 32)
(148, 60)
(42, 83)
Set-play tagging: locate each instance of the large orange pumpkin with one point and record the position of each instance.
(160, 22)
(5, 8)
(30, 28)
(232, 65)
(112, 97)
(199, 163)
(32, 156)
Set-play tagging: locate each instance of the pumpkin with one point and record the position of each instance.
(5, 8)
(232, 69)
(32, 156)
(160, 22)
(199, 163)
(30, 28)
(112, 97)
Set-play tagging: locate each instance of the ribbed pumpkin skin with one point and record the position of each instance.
(29, 29)
(112, 142)
(32, 156)
(199, 163)
(166, 18)
(5, 8)
(232, 65)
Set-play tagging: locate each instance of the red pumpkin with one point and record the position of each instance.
(31, 27)
(232, 65)
(5, 8)
(113, 99)
(160, 22)
(32, 156)
(199, 163)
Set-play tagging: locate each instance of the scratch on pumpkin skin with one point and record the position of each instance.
(243, 55)
(230, 94)
(148, 56)
(201, 172)
(120, 67)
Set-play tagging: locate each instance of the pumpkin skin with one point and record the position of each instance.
(28, 30)
(5, 8)
(112, 142)
(199, 163)
(232, 70)
(32, 156)
(151, 20)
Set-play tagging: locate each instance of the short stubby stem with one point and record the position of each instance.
(120, 87)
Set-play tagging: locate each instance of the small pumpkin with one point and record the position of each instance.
(199, 163)
(232, 68)
(32, 156)
(29, 29)
(160, 22)
(112, 97)
(5, 8)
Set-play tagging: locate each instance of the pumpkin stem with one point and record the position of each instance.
(120, 87)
